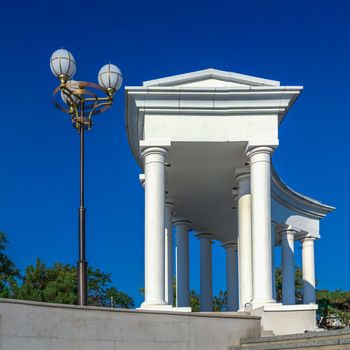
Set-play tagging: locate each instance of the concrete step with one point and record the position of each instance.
(324, 340)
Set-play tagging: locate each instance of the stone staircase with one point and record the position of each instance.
(322, 340)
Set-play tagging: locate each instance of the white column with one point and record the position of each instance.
(273, 264)
(244, 238)
(169, 213)
(206, 284)
(288, 273)
(182, 263)
(153, 158)
(260, 163)
(231, 275)
(308, 261)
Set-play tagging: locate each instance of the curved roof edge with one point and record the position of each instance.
(297, 201)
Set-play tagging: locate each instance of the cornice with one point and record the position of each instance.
(210, 73)
(164, 100)
(296, 201)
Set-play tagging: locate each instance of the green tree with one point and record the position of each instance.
(58, 284)
(9, 274)
(220, 301)
(53, 285)
(194, 301)
(119, 299)
(333, 308)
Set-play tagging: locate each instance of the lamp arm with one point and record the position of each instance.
(109, 103)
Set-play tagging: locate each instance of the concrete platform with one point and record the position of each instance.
(41, 326)
(278, 319)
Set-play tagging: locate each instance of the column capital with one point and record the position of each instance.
(154, 150)
(170, 204)
(308, 240)
(229, 244)
(243, 180)
(242, 174)
(235, 195)
(285, 229)
(182, 221)
(259, 150)
(203, 234)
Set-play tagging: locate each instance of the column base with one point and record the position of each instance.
(181, 309)
(261, 303)
(163, 307)
(154, 306)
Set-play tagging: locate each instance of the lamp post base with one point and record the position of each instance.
(82, 282)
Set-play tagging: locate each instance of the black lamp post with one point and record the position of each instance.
(82, 100)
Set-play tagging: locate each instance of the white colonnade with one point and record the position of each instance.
(250, 275)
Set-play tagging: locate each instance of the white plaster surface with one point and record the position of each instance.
(38, 326)
(290, 319)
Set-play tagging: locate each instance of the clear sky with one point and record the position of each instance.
(297, 42)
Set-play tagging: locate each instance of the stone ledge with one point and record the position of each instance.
(307, 335)
(296, 307)
(335, 339)
(234, 315)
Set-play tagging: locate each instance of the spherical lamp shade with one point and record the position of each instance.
(110, 77)
(70, 98)
(62, 64)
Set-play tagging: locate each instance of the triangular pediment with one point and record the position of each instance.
(211, 78)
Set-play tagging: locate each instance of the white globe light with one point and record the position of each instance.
(62, 64)
(110, 77)
(69, 98)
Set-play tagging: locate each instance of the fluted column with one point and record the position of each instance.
(244, 238)
(308, 262)
(206, 284)
(154, 158)
(231, 275)
(182, 263)
(169, 213)
(288, 273)
(260, 163)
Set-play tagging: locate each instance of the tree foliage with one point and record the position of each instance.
(57, 284)
(9, 274)
(333, 308)
(220, 301)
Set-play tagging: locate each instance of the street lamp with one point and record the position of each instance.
(82, 100)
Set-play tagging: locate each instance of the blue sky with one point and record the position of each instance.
(297, 42)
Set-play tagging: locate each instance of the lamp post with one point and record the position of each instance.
(81, 101)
